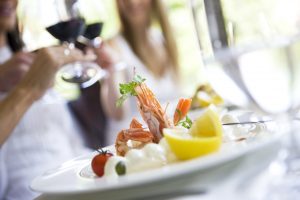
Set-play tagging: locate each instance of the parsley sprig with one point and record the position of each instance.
(186, 123)
(127, 89)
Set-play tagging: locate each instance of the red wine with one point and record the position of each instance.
(67, 31)
(93, 30)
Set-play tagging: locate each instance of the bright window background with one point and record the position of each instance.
(249, 20)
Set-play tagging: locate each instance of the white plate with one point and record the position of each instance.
(72, 178)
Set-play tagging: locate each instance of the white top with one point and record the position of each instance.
(5, 54)
(46, 136)
(165, 88)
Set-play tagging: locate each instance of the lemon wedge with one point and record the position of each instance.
(204, 137)
(203, 99)
(208, 124)
(205, 96)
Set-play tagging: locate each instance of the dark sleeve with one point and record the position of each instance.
(88, 111)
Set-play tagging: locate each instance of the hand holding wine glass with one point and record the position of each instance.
(69, 27)
(45, 66)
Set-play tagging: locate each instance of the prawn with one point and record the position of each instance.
(138, 136)
(154, 116)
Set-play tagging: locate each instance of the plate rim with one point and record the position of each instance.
(181, 168)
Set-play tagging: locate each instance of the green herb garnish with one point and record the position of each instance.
(138, 79)
(187, 123)
(127, 89)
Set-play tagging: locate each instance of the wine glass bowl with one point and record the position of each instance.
(91, 36)
(93, 30)
(67, 31)
(264, 78)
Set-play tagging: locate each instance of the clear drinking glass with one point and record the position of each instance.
(266, 79)
(95, 15)
(91, 39)
(263, 77)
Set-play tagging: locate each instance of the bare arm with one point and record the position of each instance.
(110, 94)
(38, 79)
(12, 109)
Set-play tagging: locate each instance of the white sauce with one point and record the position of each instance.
(149, 157)
(234, 132)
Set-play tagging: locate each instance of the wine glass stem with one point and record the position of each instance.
(68, 47)
(77, 67)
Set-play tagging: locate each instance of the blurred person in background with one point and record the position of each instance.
(145, 43)
(14, 62)
(32, 86)
(37, 130)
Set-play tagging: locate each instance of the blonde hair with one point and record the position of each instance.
(159, 16)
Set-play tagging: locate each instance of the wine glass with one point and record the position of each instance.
(95, 16)
(264, 77)
(69, 27)
(91, 39)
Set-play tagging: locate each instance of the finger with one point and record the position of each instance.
(25, 58)
(100, 49)
(88, 51)
(77, 55)
(63, 56)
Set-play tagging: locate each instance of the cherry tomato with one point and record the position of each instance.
(98, 162)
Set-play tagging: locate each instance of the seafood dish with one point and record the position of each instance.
(145, 146)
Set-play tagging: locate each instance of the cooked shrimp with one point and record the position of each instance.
(182, 109)
(151, 111)
(138, 136)
(135, 123)
(154, 116)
